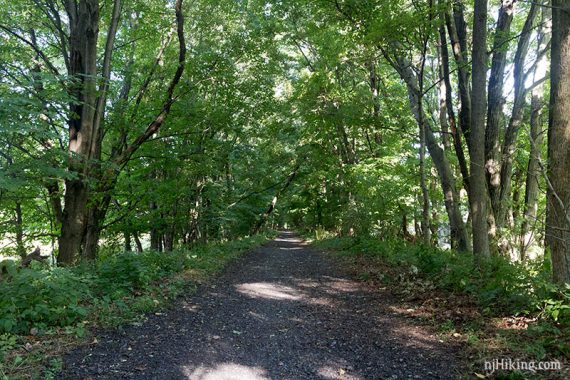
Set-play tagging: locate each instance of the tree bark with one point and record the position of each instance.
(457, 30)
(128, 242)
(443, 167)
(452, 122)
(19, 226)
(536, 138)
(558, 194)
(84, 31)
(426, 229)
(496, 103)
(478, 195)
(516, 119)
(138, 242)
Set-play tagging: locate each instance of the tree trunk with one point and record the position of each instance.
(271, 206)
(155, 233)
(533, 171)
(128, 242)
(478, 194)
(558, 194)
(426, 229)
(423, 185)
(530, 208)
(138, 242)
(84, 31)
(457, 30)
(452, 122)
(94, 226)
(443, 167)
(169, 239)
(496, 103)
(20, 247)
(516, 119)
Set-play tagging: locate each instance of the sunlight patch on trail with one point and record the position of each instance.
(289, 240)
(226, 371)
(269, 291)
(336, 371)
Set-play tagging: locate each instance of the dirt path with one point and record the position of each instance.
(284, 311)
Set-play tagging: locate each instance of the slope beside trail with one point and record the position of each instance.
(283, 311)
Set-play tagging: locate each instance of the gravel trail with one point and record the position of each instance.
(283, 311)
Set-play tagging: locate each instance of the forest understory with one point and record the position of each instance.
(146, 144)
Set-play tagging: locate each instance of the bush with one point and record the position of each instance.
(40, 298)
(501, 286)
(121, 284)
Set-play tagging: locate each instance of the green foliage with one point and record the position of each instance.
(501, 287)
(7, 342)
(120, 284)
(132, 271)
(42, 298)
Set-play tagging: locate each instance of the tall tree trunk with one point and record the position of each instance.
(128, 241)
(447, 179)
(155, 233)
(94, 225)
(168, 240)
(452, 122)
(478, 194)
(19, 226)
(495, 104)
(426, 229)
(516, 119)
(533, 171)
(85, 133)
(457, 30)
(536, 138)
(84, 31)
(138, 242)
(558, 194)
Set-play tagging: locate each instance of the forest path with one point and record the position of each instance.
(283, 311)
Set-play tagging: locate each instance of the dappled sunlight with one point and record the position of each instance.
(282, 313)
(336, 371)
(191, 307)
(272, 291)
(269, 291)
(225, 371)
(409, 312)
(336, 285)
(257, 316)
(306, 283)
(290, 248)
(288, 240)
(415, 337)
(322, 302)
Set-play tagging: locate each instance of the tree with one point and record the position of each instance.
(558, 195)
(477, 183)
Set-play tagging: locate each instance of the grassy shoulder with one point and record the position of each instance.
(44, 312)
(505, 310)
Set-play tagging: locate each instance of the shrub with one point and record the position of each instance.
(501, 286)
(118, 286)
(39, 298)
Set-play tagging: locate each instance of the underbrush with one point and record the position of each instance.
(499, 289)
(46, 309)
